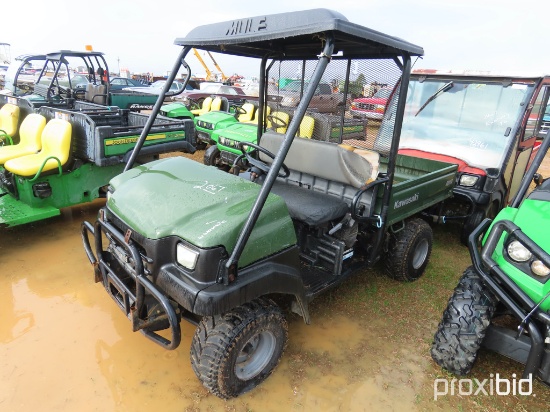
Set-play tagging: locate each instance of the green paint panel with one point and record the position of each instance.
(216, 121)
(418, 184)
(176, 110)
(79, 186)
(131, 100)
(201, 204)
(235, 134)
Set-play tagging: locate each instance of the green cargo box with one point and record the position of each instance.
(418, 184)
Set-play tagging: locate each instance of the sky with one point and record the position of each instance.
(486, 35)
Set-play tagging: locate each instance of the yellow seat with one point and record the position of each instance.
(56, 148)
(249, 113)
(281, 116)
(255, 119)
(30, 134)
(216, 105)
(306, 127)
(205, 108)
(9, 118)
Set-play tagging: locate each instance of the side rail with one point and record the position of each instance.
(129, 294)
(335, 129)
(85, 120)
(116, 143)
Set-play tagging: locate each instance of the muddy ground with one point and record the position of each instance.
(65, 346)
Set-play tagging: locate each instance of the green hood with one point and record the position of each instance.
(230, 137)
(201, 204)
(533, 217)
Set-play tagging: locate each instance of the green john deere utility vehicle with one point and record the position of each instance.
(507, 286)
(64, 155)
(178, 239)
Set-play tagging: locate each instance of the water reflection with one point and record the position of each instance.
(15, 322)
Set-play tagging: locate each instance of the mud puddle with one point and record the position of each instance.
(65, 346)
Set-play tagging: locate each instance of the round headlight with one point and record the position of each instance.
(468, 180)
(518, 252)
(540, 269)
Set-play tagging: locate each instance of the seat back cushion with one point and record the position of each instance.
(249, 109)
(56, 142)
(30, 133)
(216, 104)
(9, 118)
(281, 116)
(322, 159)
(306, 127)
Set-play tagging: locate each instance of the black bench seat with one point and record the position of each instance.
(308, 206)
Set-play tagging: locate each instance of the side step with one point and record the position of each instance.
(14, 212)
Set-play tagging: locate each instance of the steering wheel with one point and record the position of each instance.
(62, 91)
(277, 121)
(54, 92)
(238, 110)
(193, 104)
(258, 163)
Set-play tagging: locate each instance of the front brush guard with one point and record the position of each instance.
(509, 293)
(130, 302)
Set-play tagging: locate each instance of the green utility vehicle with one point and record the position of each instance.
(484, 124)
(510, 278)
(61, 157)
(57, 81)
(227, 154)
(221, 116)
(178, 239)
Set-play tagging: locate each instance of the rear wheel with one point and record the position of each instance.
(234, 352)
(464, 324)
(409, 251)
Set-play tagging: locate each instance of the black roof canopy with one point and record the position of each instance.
(295, 35)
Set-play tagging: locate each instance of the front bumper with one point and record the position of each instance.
(367, 114)
(137, 278)
(205, 137)
(228, 157)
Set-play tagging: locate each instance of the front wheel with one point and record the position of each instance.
(409, 251)
(234, 352)
(464, 324)
(470, 224)
(212, 157)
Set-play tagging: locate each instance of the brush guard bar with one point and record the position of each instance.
(510, 294)
(131, 302)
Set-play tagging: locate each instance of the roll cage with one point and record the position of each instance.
(294, 36)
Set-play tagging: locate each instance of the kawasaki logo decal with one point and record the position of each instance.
(405, 202)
